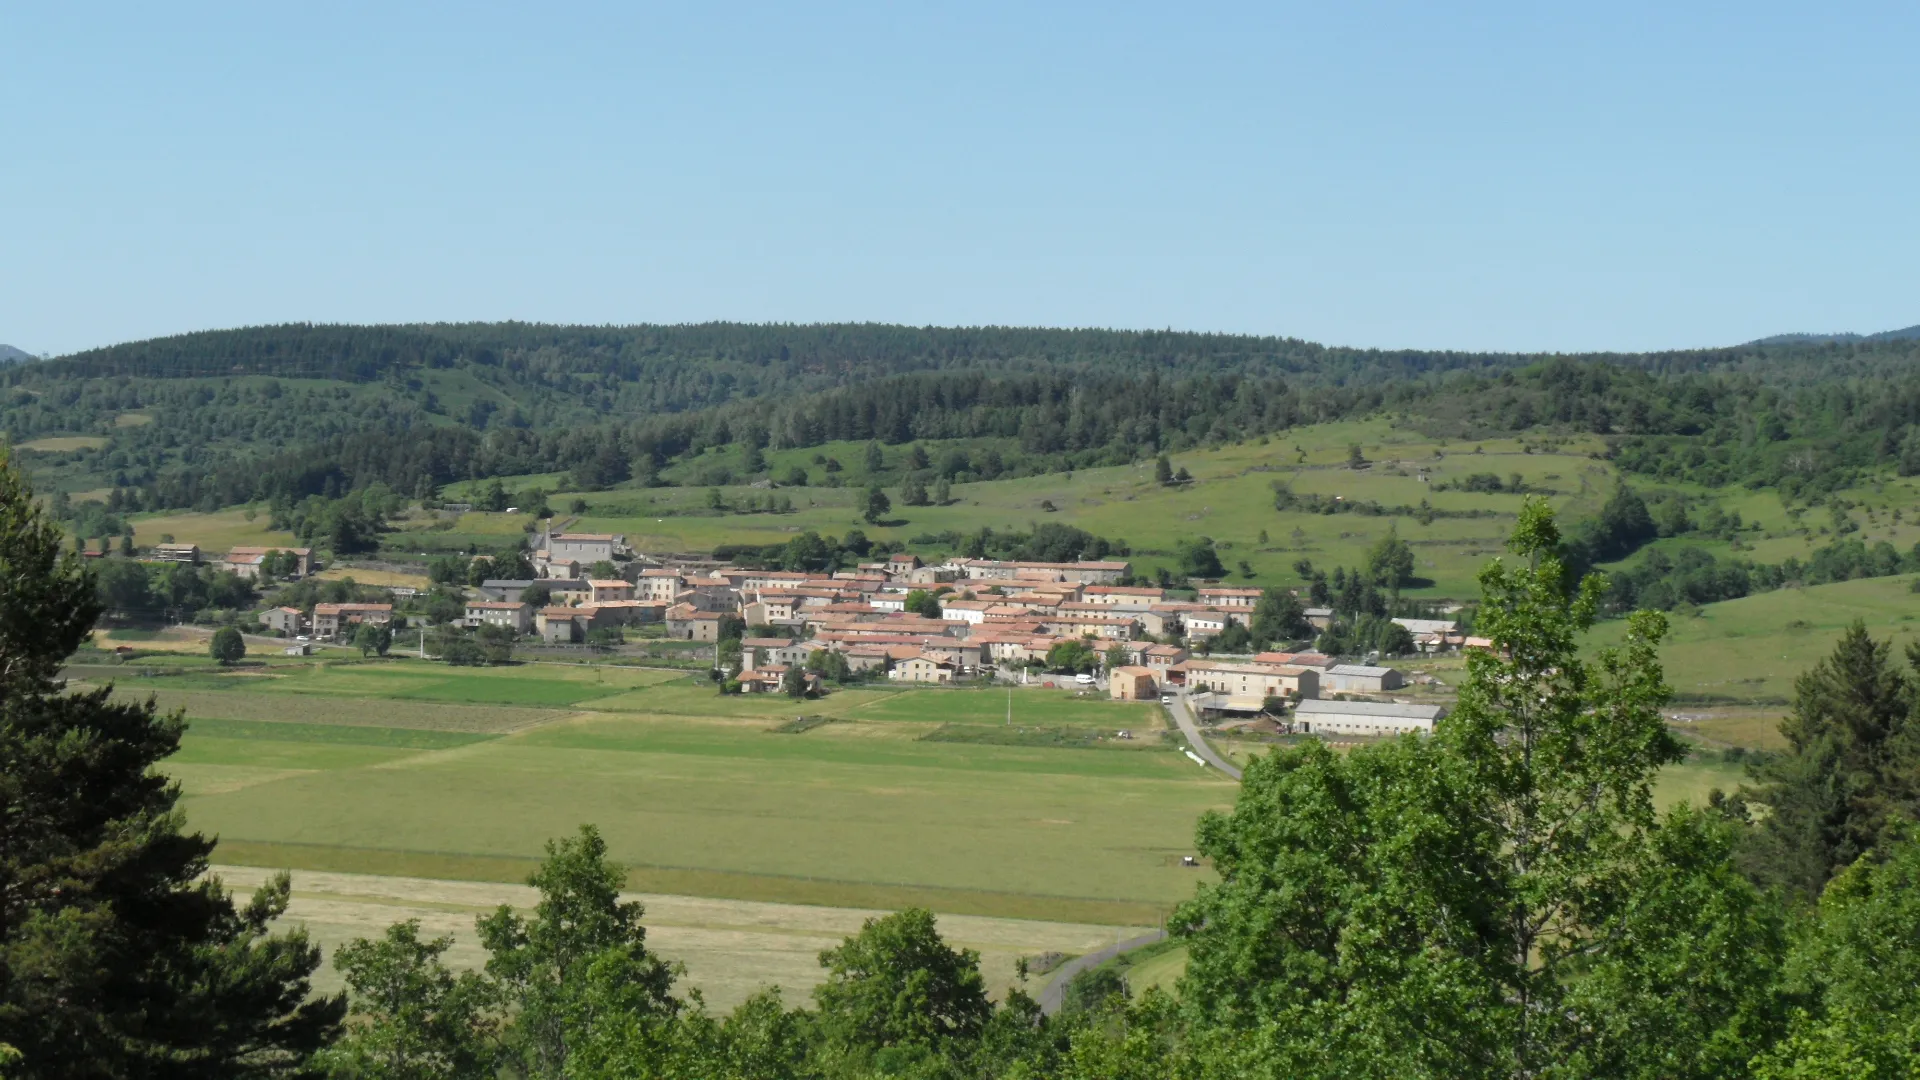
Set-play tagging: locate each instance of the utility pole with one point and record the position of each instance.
(1009, 706)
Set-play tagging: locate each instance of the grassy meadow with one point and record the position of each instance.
(408, 769)
(1749, 651)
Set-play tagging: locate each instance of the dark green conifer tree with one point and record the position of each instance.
(118, 955)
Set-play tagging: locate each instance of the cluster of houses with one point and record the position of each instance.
(992, 614)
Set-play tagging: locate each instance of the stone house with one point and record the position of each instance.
(514, 615)
(333, 621)
(286, 621)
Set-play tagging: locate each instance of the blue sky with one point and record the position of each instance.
(1479, 176)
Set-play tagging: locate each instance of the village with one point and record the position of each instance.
(954, 622)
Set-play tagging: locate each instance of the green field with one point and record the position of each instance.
(1750, 650)
(216, 533)
(694, 790)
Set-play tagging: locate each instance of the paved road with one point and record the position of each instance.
(1183, 716)
(1055, 992)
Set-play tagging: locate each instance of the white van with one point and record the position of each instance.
(1083, 679)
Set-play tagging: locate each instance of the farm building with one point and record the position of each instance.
(246, 561)
(285, 621)
(1124, 596)
(1298, 659)
(972, 612)
(1159, 620)
(1086, 573)
(568, 590)
(556, 625)
(1204, 624)
(508, 589)
(1121, 626)
(759, 650)
(181, 553)
(1162, 657)
(1251, 682)
(762, 680)
(630, 612)
(685, 623)
(1230, 597)
(659, 585)
(582, 548)
(963, 655)
(332, 620)
(923, 669)
(599, 589)
(1361, 679)
(771, 608)
(1131, 684)
(514, 615)
(1365, 717)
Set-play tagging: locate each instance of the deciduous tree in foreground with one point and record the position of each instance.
(1499, 900)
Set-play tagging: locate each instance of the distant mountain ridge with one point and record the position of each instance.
(11, 355)
(1908, 334)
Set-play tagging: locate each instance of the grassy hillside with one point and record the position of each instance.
(1230, 500)
(213, 419)
(1750, 650)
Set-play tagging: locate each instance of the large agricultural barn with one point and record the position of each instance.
(1364, 717)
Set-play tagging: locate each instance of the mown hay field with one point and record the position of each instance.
(216, 533)
(730, 947)
(361, 575)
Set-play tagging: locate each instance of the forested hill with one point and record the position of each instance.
(691, 366)
(230, 416)
(713, 362)
(1904, 333)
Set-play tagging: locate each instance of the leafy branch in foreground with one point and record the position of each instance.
(1501, 900)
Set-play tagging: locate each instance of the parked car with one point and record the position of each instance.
(1083, 679)
(1166, 699)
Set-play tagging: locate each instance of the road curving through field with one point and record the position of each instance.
(1183, 716)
